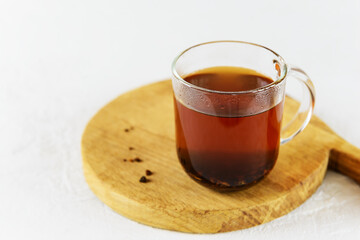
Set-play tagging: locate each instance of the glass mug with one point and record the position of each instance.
(227, 140)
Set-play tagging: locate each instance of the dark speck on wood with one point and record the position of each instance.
(143, 179)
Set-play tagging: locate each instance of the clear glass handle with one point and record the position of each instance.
(303, 115)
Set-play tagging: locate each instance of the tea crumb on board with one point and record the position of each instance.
(131, 148)
(129, 129)
(124, 159)
(148, 172)
(143, 179)
(135, 160)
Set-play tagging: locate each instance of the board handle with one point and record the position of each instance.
(345, 158)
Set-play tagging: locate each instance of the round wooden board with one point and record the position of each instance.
(143, 119)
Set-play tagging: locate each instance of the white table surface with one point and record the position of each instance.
(60, 61)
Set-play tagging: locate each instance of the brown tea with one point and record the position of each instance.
(227, 152)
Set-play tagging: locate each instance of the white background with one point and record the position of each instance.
(60, 61)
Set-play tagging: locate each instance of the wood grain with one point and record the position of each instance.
(143, 119)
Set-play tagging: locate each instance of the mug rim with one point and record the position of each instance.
(256, 90)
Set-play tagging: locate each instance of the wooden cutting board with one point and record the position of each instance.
(140, 124)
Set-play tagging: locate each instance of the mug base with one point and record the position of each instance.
(224, 187)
